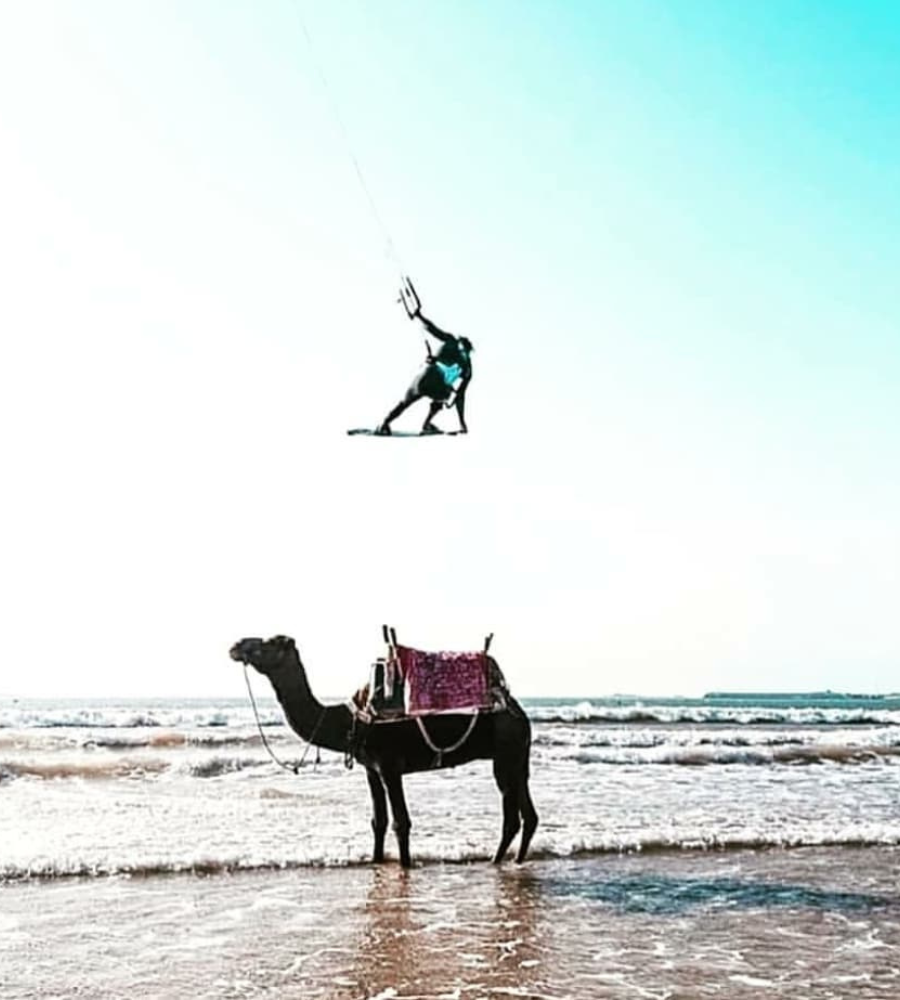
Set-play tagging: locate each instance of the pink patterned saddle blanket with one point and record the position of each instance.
(413, 682)
(445, 682)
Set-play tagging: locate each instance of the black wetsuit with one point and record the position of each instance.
(451, 365)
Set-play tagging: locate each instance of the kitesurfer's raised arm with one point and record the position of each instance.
(435, 331)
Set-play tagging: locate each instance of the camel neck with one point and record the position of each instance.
(326, 726)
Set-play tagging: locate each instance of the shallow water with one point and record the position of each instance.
(805, 922)
(166, 787)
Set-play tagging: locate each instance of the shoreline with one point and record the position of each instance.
(536, 857)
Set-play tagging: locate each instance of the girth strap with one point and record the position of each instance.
(440, 751)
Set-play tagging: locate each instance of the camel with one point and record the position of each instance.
(388, 750)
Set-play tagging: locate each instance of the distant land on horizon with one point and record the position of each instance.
(797, 695)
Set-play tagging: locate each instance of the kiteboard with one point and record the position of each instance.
(371, 432)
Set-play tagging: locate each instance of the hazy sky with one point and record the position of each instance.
(672, 230)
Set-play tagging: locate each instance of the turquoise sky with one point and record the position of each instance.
(671, 229)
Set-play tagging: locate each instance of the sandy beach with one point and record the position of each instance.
(809, 922)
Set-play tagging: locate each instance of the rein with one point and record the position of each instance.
(295, 768)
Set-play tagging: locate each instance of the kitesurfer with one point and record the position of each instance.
(448, 371)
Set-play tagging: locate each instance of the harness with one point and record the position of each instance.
(450, 373)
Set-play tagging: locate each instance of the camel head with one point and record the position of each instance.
(266, 655)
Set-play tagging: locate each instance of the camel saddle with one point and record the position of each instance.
(413, 682)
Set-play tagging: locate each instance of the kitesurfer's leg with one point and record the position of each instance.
(385, 426)
(428, 427)
(427, 383)
(432, 384)
(413, 394)
(461, 409)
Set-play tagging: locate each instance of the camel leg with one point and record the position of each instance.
(529, 819)
(509, 792)
(402, 825)
(379, 813)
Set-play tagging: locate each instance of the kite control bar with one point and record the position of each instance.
(413, 306)
(410, 299)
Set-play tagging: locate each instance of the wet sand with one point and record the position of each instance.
(801, 923)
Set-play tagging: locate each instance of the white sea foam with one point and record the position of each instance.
(639, 713)
(84, 800)
(136, 715)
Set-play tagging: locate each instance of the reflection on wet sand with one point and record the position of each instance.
(673, 926)
(441, 932)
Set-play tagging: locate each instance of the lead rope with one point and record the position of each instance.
(295, 768)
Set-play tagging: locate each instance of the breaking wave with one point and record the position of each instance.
(588, 714)
(223, 765)
(604, 846)
(124, 767)
(225, 714)
(171, 715)
(698, 756)
(89, 771)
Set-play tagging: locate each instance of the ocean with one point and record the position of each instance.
(731, 845)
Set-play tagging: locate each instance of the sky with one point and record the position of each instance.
(672, 231)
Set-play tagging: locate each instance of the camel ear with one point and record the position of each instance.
(284, 641)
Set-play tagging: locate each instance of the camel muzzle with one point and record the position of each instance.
(238, 652)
